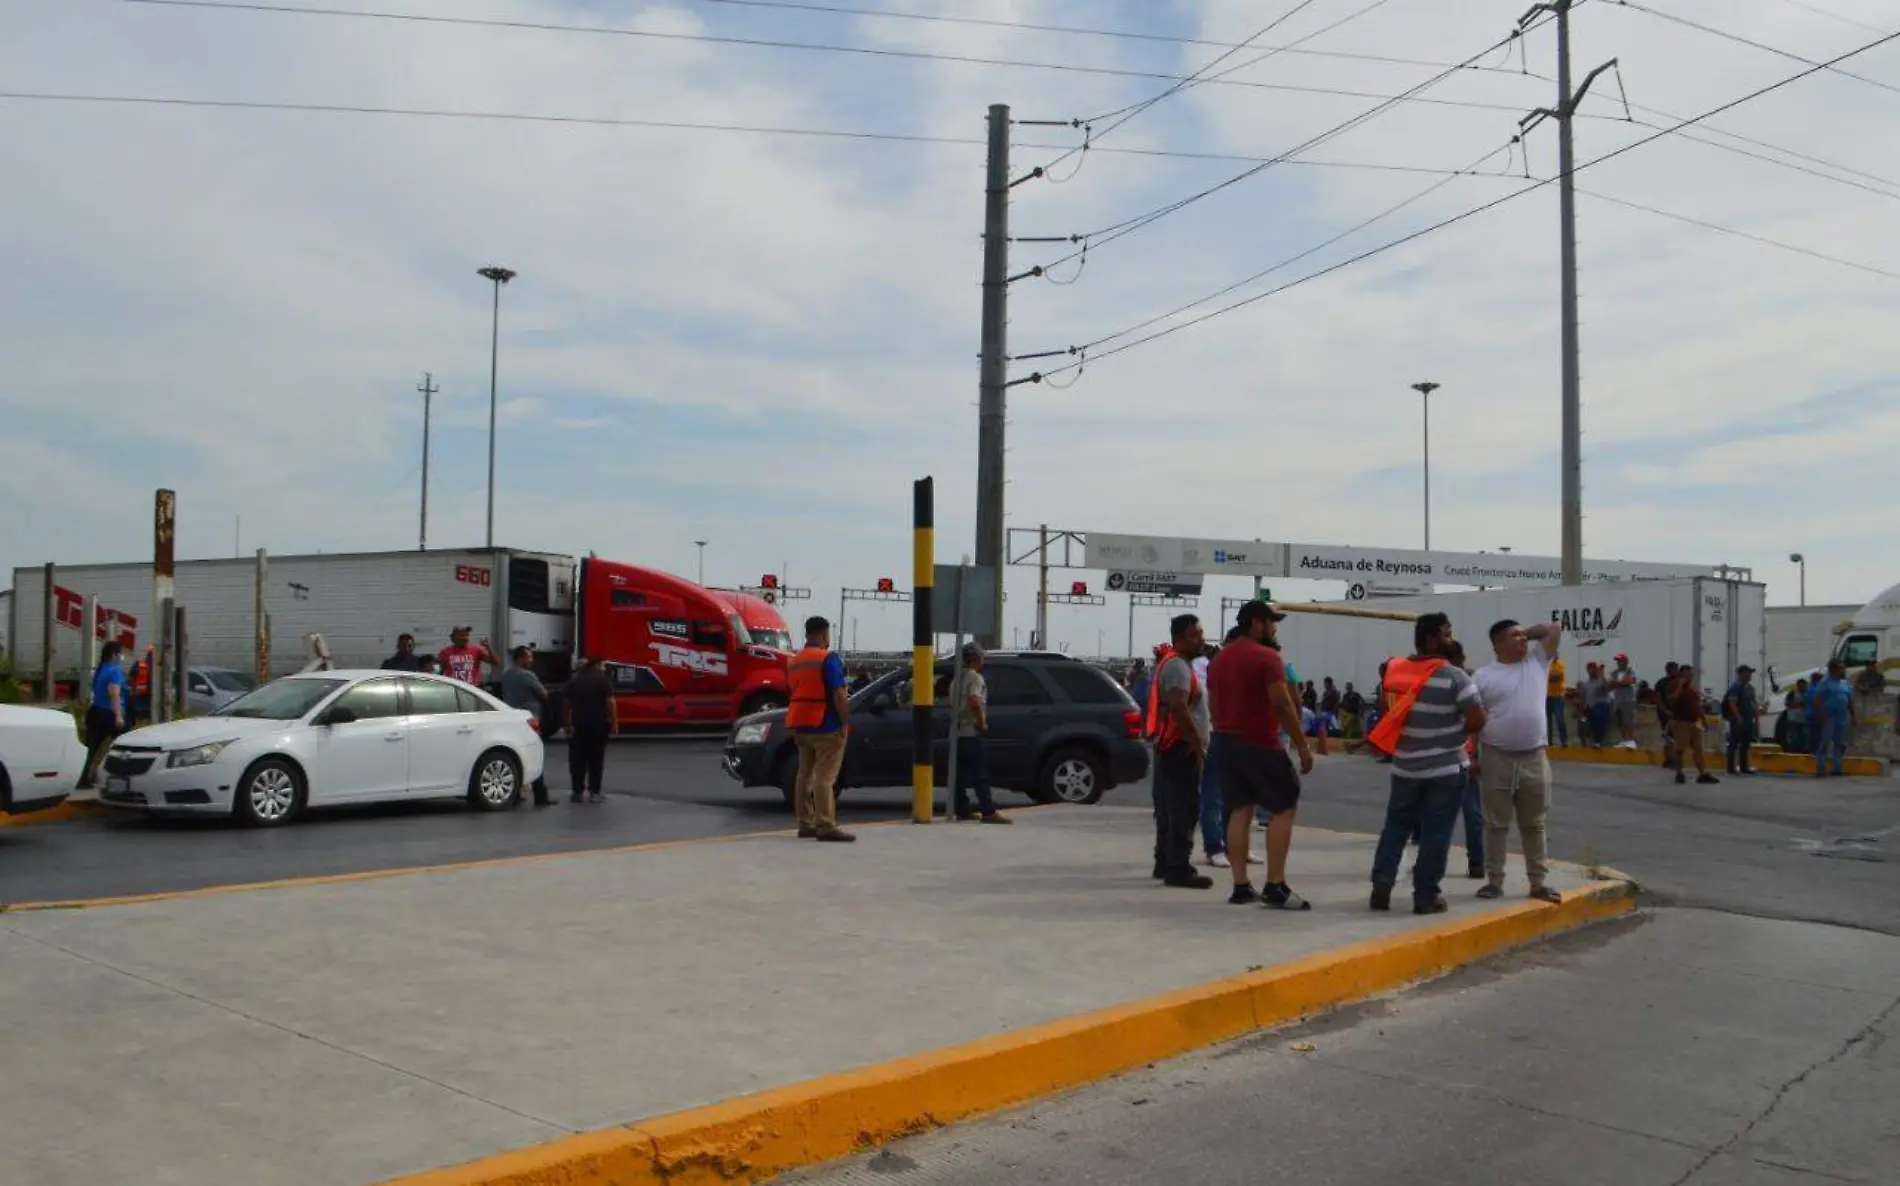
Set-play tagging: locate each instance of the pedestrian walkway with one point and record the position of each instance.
(351, 1032)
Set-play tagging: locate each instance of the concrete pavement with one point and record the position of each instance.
(349, 1032)
(1678, 1048)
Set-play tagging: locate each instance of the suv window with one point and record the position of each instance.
(1015, 687)
(372, 701)
(430, 699)
(1087, 685)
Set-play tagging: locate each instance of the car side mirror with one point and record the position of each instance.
(339, 716)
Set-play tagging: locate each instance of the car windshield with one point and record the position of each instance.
(285, 700)
(230, 681)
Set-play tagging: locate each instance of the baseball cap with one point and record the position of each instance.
(1621, 658)
(1747, 668)
(460, 629)
(1255, 611)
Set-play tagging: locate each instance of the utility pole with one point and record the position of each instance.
(1565, 114)
(428, 390)
(994, 373)
(1425, 389)
(499, 276)
(1041, 640)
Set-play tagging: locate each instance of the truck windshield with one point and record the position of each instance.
(285, 700)
(741, 637)
(778, 640)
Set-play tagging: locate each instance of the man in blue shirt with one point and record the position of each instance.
(1831, 710)
(105, 711)
(819, 717)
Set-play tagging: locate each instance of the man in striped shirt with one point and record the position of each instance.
(1427, 765)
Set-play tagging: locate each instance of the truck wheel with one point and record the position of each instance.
(762, 702)
(495, 784)
(270, 794)
(1071, 775)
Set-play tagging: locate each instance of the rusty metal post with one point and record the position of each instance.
(164, 599)
(46, 641)
(88, 639)
(182, 663)
(261, 645)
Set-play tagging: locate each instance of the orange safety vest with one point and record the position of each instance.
(1404, 680)
(809, 694)
(141, 677)
(1161, 724)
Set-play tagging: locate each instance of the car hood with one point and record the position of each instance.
(185, 734)
(21, 716)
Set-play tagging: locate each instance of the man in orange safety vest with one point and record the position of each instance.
(820, 720)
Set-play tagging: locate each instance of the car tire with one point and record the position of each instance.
(271, 794)
(495, 783)
(1071, 774)
(786, 776)
(762, 702)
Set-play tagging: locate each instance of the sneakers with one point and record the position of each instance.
(1707, 780)
(1436, 904)
(1474, 872)
(1491, 892)
(1381, 897)
(1281, 897)
(1256, 857)
(1544, 893)
(1188, 880)
(1680, 779)
(1243, 895)
(994, 818)
(836, 836)
(808, 833)
(1160, 874)
(1219, 861)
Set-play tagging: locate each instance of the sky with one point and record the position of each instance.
(760, 341)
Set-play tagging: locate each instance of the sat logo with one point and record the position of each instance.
(703, 662)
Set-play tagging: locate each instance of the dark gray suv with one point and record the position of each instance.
(1061, 731)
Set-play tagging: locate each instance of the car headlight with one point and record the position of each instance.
(752, 734)
(199, 755)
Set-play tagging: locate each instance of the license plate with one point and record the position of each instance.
(118, 785)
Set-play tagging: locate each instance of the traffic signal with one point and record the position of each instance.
(769, 581)
(1079, 589)
(886, 585)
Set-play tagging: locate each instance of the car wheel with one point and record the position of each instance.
(1072, 775)
(495, 784)
(270, 794)
(788, 776)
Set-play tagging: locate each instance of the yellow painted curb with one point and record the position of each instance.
(52, 815)
(1766, 761)
(756, 1137)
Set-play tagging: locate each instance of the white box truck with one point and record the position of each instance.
(1716, 624)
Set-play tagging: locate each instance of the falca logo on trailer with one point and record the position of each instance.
(1588, 625)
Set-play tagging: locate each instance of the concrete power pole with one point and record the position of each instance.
(1565, 114)
(428, 390)
(992, 407)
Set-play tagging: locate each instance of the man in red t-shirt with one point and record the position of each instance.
(464, 662)
(1252, 707)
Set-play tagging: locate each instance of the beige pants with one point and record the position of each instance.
(820, 755)
(1515, 784)
(1688, 744)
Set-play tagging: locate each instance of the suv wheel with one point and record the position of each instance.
(1071, 775)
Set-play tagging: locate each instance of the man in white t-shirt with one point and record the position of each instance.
(1512, 768)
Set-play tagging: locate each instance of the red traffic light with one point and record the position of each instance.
(769, 581)
(1079, 589)
(886, 585)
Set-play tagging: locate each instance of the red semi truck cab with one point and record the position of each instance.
(676, 653)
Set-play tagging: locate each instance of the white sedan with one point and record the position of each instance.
(326, 738)
(40, 758)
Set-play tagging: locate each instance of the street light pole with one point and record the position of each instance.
(701, 545)
(1798, 558)
(500, 276)
(1425, 389)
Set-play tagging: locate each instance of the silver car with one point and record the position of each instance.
(208, 689)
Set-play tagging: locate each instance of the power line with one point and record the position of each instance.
(1729, 148)
(1082, 31)
(757, 43)
(1763, 46)
(1845, 20)
(1749, 235)
(1465, 215)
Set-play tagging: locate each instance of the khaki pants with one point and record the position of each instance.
(1688, 739)
(820, 755)
(1514, 784)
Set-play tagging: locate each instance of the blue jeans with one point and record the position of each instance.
(1473, 805)
(1830, 737)
(1213, 812)
(1431, 805)
(973, 767)
(1740, 738)
(1559, 723)
(1599, 716)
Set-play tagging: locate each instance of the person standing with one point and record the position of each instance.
(1684, 700)
(405, 658)
(1831, 707)
(1436, 708)
(1795, 713)
(1513, 767)
(1664, 691)
(1596, 706)
(521, 688)
(1352, 708)
(1253, 711)
(1139, 685)
(972, 701)
(1559, 730)
(820, 720)
(1623, 699)
(105, 711)
(1213, 805)
(592, 717)
(1743, 713)
(460, 661)
(1178, 719)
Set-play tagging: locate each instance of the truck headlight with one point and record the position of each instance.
(753, 734)
(199, 755)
